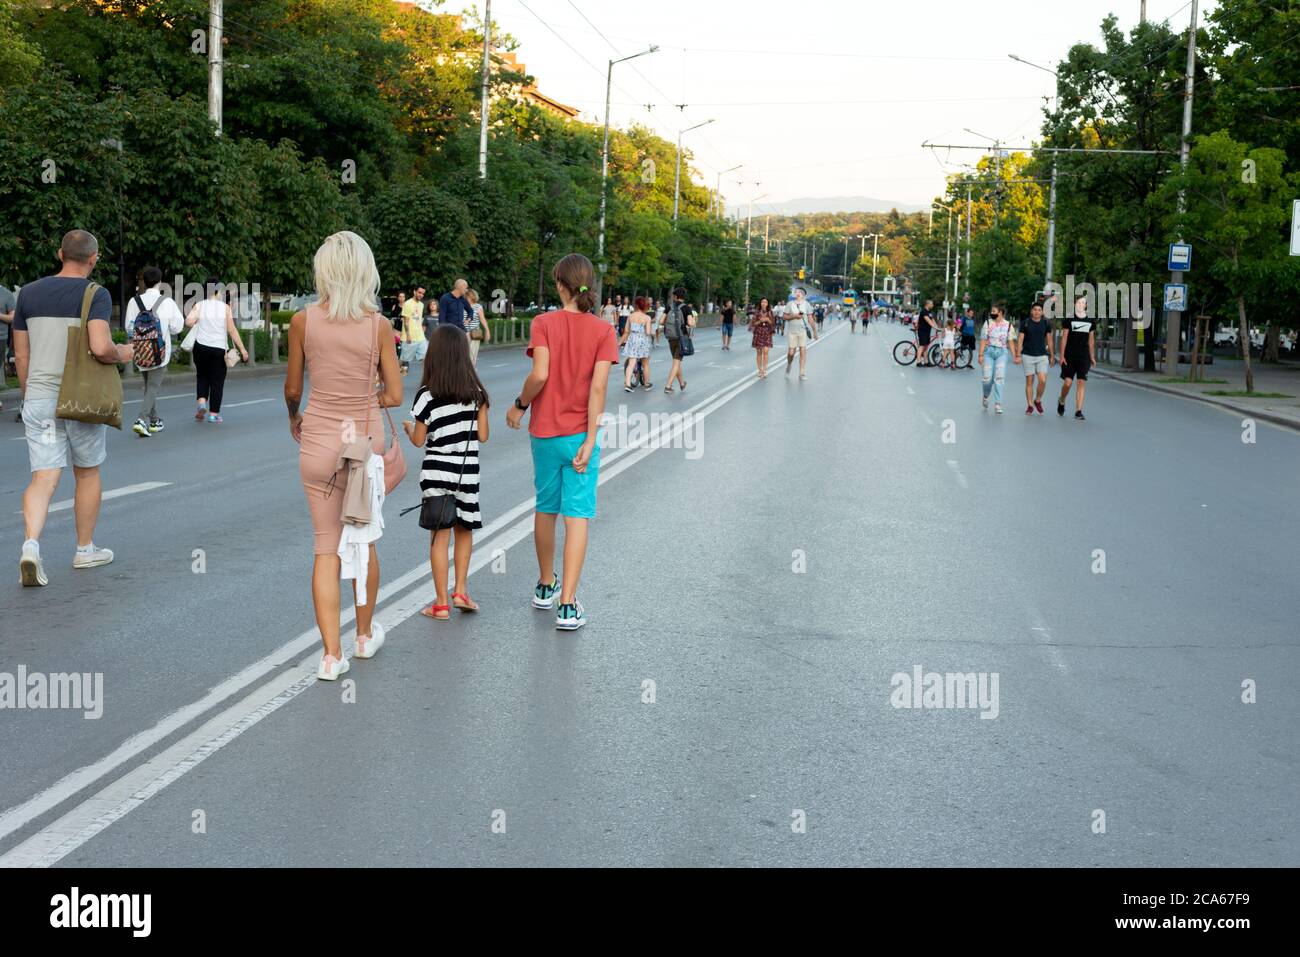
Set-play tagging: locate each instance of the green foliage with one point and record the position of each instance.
(424, 236)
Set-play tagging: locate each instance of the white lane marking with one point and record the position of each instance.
(1044, 634)
(911, 391)
(118, 798)
(961, 479)
(236, 405)
(111, 493)
(161, 398)
(498, 365)
(902, 375)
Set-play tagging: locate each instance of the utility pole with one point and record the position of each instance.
(483, 110)
(767, 224)
(1173, 318)
(215, 27)
(718, 190)
(875, 249)
(1051, 226)
(604, 169)
(956, 262)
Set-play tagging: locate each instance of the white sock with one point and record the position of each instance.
(85, 549)
(34, 543)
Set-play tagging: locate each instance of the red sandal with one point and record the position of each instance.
(463, 602)
(436, 612)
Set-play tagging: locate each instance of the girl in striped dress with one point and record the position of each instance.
(449, 419)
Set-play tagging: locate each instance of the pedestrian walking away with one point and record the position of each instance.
(636, 346)
(151, 321)
(996, 343)
(796, 332)
(761, 328)
(1037, 354)
(342, 344)
(45, 312)
(214, 330)
(1078, 355)
(573, 353)
(449, 421)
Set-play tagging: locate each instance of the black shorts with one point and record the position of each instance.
(967, 342)
(923, 333)
(1076, 369)
(675, 348)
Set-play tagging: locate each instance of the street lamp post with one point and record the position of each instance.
(604, 161)
(677, 182)
(718, 190)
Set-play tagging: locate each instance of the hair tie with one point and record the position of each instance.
(582, 289)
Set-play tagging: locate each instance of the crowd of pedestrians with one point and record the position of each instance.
(355, 358)
(997, 343)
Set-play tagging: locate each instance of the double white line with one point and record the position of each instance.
(127, 792)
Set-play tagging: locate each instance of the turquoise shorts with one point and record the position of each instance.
(561, 490)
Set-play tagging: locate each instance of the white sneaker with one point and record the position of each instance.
(31, 570)
(141, 428)
(998, 409)
(93, 558)
(368, 646)
(331, 667)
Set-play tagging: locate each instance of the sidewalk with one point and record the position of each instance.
(1283, 378)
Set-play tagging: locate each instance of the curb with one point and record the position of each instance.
(1262, 414)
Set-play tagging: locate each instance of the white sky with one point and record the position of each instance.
(930, 68)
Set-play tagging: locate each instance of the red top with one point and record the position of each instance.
(578, 342)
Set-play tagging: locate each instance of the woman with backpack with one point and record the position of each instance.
(214, 326)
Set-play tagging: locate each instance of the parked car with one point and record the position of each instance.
(1225, 337)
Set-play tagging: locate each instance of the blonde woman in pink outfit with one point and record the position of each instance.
(344, 345)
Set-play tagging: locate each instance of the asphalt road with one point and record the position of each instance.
(770, 582)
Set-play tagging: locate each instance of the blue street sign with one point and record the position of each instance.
(1176, 296)
(1180, 257)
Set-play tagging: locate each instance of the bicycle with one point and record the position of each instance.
(962, 356)
(905, 352)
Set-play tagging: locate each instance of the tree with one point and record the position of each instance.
(1242, 225)
(421, 236)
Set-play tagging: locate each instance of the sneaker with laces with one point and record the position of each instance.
(31, 570)
(997, 407)
(1060, 408)
(155, 426)
(92, 557)
(544, 595)
(1039, 407)
(214, 418)
(571, 617)
(141, 428)
(984, 402)
(1078, 416)
(1029, 410)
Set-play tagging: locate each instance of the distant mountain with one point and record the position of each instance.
(838, 204)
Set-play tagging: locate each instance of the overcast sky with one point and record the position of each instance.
(816, 98)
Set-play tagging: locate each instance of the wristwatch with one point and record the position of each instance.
(519, 405)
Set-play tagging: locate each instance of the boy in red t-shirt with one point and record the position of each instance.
(573, 352)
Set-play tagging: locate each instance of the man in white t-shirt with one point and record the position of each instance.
(796, 332)
(170, 321)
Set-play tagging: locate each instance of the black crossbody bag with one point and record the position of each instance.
(439, 511)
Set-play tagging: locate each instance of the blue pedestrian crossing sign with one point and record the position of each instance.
(1176, 296)
(1180, 257)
